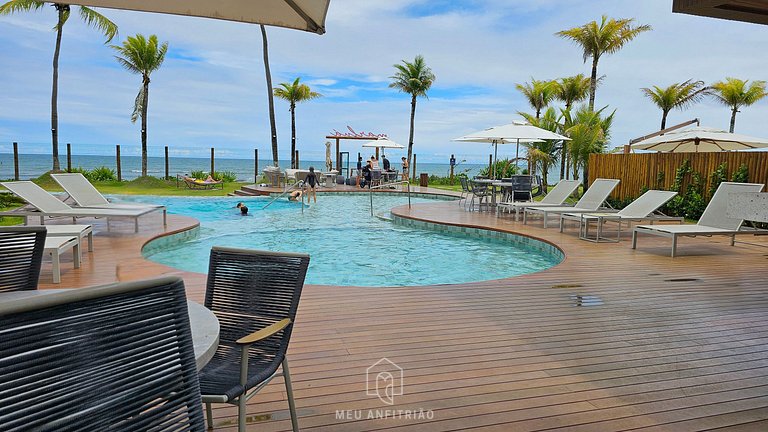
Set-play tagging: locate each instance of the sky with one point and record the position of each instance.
(211, 90)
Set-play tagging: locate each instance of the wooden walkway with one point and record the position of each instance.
(674, 345)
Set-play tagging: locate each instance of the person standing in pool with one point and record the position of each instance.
(312, 182)
(243, 209)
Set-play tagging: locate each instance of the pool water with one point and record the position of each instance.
(347, 246)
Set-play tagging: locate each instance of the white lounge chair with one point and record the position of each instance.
(590, 202)
(641, 209)
(555, 197)
(713, 221)
(85, 195)
(49, 205)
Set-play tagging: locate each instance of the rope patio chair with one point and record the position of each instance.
(255, 295)
(116, 357)
(464, 189)
(21, 249)
(480, 191)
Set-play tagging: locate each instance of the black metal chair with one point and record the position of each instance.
(464, 189)
(482, 192)
(111, 358)
(523, 189)
(21, 254)
(254, 294)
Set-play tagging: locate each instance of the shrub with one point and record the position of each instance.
(504, 168)
(718, 176)
(198, 174)
(741, 175)
(100, 174)
(225, 176)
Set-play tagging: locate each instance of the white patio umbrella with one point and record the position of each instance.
(383, 142)
(700, 139)
(307, 15)
(516, 132)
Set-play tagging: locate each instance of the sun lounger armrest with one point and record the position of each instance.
(264, 333)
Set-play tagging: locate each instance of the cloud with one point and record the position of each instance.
(211, 90)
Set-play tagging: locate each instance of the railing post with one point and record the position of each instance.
(69, 157)
(167, 165)
(255, 165)
(212, 159)
(409, 195)
(16, 161)
(370, 191)
(119, 168)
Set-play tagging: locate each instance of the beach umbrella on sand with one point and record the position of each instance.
(517, 132)
(306, 15)
(700, 139)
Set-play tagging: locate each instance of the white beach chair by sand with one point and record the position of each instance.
(86, 195)
(556, 197)
(713, 221)
(49, 205)
(591, 201)
(641, 209)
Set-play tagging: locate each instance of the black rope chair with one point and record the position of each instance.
(254, 294)
(21, 254)
(111, 358)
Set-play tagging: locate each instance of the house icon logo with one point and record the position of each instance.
(385, 380)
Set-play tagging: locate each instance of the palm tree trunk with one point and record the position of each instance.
(270, 96)
(733, 118)
(55, 92)
(563, 155)
(410, 136)
(664, 120)
(293, 136)
(544, 172)
(144, 110)
(593, 84)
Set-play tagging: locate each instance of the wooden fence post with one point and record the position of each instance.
(119, 168)
(296, 158)
(414, 166)
(491, 173)
(212, 159)
(167, 165)
(69, 157)
(16, 161)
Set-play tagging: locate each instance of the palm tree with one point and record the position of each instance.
(570, 90)
(270, 98)
(141, 56)
(678, 95)
(735, 93)
(415, 79)
(538, 93)
(295, 93)
(596, 39)
(544, 153)
(589, 132)
(91, 18)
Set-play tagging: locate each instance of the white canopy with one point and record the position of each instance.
(383, 142)
(700, 139)
(307, 15)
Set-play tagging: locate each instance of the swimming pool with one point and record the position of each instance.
(347, 246)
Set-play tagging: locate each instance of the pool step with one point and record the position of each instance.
(250, 191)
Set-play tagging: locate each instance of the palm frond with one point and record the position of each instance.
(15, 6)
(99, 22)
(138, 105)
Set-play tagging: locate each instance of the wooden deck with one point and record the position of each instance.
(676, 345)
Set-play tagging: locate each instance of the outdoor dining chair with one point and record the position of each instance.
(464, 189)
(255, 295)
(116, 357)
(21, 253)
(482, 192)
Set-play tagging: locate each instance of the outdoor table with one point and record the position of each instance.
(204, 324)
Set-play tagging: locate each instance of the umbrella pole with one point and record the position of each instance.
(517, 155)
(495, 157)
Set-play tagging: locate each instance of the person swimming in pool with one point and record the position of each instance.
(243, 209)
(295, 195)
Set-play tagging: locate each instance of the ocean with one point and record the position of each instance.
(33, 165)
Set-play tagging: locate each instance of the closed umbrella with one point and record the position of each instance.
(517, 132)
(700, 139)
(328, 160)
